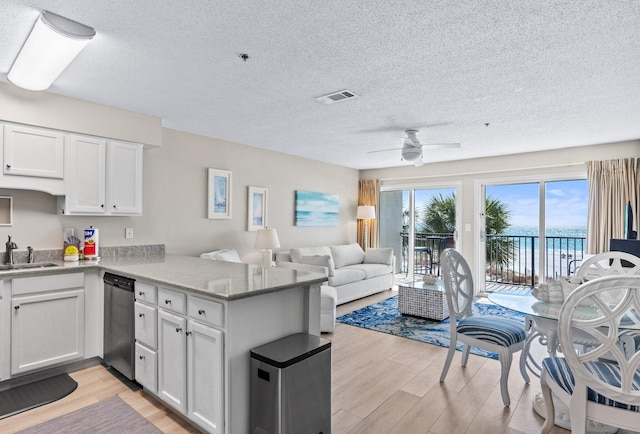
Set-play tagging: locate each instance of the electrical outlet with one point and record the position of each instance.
(128, 232)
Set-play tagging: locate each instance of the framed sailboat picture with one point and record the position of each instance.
(257, 208)
(219, 194)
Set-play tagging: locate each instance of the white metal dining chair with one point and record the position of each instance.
(607, 263)
(602, 382)
(491, 333)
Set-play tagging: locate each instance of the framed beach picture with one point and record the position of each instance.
(316, 209)
(257, 208)
(219, 194)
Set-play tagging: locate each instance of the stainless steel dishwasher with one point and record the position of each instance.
(119, 339)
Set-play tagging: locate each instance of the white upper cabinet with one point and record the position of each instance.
(90, 175)
(103, 177)
(32, 158)
(30, 151)
(86, 173)
(124, 164)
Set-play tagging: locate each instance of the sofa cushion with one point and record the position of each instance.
(283, 256)
(370, 270)
(298, 252)
(378, 256)
(228, 255)
(321, 260)
(347, 254)
(342, 276)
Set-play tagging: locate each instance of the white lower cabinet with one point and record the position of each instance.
(46, 329)
(204, 376)
(146, 368)
(172, 360)
(179, 358)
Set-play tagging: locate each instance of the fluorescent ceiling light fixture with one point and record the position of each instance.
(51, 46)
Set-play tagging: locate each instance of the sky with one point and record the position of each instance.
(566, 202)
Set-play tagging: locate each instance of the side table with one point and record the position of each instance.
(420, 299)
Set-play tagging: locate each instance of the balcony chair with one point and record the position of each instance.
(490, 333)
(600, 382)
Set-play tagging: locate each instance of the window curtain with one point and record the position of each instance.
(612, 184)
(368, 193)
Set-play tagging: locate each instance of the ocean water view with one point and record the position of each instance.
(564, 249)
(553, 231)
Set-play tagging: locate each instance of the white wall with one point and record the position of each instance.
(175, 180)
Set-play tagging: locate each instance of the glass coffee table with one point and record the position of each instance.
(423, 300)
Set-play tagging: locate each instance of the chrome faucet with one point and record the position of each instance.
(30, 258)
(11, 246)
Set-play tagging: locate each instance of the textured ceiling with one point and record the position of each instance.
(544, 74)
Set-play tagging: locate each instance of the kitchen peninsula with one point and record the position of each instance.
(202, 316)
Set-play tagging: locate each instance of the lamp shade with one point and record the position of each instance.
(366, 212)
(267, 239)
(51, 46)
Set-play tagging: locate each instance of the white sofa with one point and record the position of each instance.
(353, 272)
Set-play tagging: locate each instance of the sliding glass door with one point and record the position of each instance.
(418, 223)
(531, 232)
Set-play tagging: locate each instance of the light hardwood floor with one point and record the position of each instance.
(381, 384)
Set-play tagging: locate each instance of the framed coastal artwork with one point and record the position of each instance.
(219, 194)
(316, 209)
(257, 208)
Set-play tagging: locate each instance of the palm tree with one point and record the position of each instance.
(500, 251)
(439, 216)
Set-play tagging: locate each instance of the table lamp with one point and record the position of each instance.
(267, 239)
(366, 213)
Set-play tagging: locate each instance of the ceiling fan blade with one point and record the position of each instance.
(384, 150)
(443, 145)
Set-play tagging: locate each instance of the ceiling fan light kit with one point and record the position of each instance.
(412, 149)
(411, 153)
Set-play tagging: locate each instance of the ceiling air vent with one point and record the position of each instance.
(335, 97)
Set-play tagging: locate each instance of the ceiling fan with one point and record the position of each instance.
(412, 148)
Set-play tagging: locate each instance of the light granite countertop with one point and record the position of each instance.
(224, 280)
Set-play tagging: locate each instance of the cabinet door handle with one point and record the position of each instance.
(141, 357)
(178, 329)
(167, 302)
(115, 207)
(102, 205)
(141, 315)
(201, 312)
(141, 293)
(16, 307)
(188, 333)
(8, 166)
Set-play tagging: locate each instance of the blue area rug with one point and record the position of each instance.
(384, 317)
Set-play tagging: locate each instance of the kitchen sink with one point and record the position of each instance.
(5, 267)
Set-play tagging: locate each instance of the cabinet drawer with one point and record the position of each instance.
(206, 311)
(146, 368)
(30, 285)
(146, 318)
(147, 293)
(172, 300)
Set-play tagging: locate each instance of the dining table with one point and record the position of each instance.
(541, 325)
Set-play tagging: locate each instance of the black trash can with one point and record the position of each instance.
(291, 386)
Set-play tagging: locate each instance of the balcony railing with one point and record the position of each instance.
(511, 259)
(427, 249)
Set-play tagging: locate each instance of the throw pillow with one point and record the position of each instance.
(298, 252)
(228, 255)
(378, 256)
(348, 254)
(321, 260)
